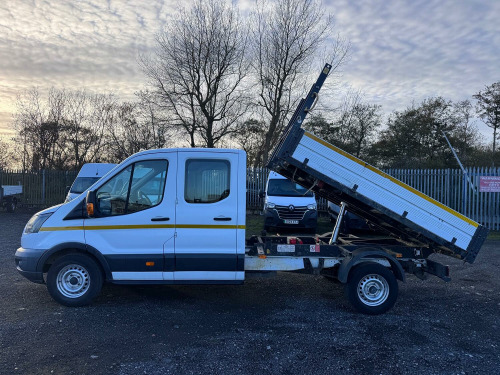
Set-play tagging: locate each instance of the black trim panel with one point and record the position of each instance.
(137, 262)
(240, 262)
(181, 262)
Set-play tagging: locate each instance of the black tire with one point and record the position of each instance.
(372, 288)
(11, 206)
(74, 280)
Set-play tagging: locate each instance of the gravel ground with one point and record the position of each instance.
(290, 324)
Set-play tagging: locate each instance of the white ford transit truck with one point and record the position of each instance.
(177, 216)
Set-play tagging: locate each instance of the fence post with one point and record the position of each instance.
(43, 186)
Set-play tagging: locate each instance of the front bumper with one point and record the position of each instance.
(309, 221)
(27, 264)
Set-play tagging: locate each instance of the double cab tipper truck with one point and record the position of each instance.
(177, 216)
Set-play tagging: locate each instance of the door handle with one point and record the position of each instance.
(222, 219)
(160, 219)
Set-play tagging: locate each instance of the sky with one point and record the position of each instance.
(401, 51)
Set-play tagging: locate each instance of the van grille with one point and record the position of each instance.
(297, 213)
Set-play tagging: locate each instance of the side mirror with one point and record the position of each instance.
(66, 191)
(262, 194)
(91, 204)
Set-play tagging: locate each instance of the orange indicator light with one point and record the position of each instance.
(150, 264)
(90, 209)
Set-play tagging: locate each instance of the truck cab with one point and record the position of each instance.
(288, 205)
(161, 216)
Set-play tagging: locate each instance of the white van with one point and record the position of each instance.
(288, 205)
(88, 176)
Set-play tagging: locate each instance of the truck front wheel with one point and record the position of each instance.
(74, 280)
(372, 288)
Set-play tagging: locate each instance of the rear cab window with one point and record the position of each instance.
(206, 180)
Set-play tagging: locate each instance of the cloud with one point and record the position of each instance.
(91, 44)
(402, 51)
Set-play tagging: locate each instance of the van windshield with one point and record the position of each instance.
(286, 188)
(83, 183)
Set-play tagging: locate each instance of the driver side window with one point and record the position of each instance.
(138, 187)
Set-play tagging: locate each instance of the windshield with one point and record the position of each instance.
(286, 188)
(82, 183)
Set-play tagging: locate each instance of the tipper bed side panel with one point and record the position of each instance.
(386, 191)
(370, 193)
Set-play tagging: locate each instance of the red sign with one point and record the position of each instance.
(489, 184)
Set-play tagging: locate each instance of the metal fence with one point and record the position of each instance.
(451, 187)
(40, 188)
(448, 186)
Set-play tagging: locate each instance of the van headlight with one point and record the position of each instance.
(270, 205)
(311, 206)
(36, 223)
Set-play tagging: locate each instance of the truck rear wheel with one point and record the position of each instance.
(372, 288)
(74, 280)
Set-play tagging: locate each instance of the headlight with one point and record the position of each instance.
(311, 206)
(36, 222)
(270, 205)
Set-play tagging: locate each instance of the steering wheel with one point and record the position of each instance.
(143, 199)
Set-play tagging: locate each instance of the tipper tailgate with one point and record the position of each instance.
(370, 193)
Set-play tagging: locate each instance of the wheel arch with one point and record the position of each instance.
(62, 249)
(360, 255)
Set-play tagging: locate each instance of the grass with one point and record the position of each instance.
(494, 235)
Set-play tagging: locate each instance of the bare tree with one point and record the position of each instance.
(85, 117)
(6, 155)
(466, 135)
(287, 35)
(136, 127)
(198, 69)
(63, 129)
(353, 126)
(367, 119)
(488, 108)
(249, 138)
(36, 129)
(345, 118)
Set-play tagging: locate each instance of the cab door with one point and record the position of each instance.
(135, 223)
(206, 217)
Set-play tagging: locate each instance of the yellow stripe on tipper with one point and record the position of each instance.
(396, 181)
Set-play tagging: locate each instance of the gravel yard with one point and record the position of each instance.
(289, 324)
